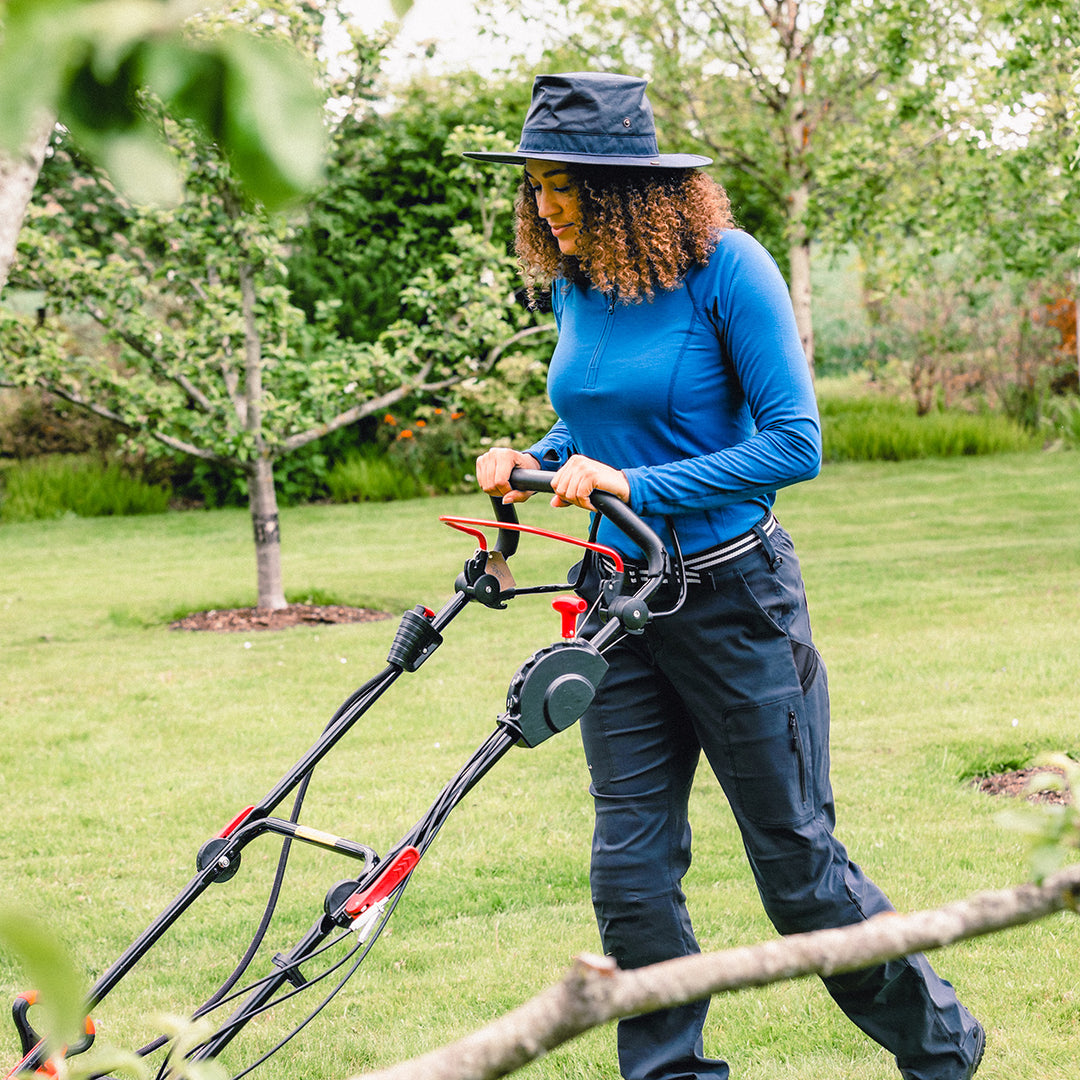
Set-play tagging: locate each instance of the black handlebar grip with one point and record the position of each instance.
(611, 506)
(507, 541)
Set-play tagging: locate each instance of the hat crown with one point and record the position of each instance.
(590, 118)
(589, 113)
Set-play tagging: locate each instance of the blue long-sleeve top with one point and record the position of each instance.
(701, 396)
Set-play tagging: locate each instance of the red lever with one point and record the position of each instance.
(569, 607)
(391, 875)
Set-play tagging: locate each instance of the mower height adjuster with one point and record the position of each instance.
(416, 639)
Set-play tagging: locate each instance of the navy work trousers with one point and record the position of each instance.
(734, 674)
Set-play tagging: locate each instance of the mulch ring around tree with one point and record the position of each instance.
(243, 620)
(1016, 783)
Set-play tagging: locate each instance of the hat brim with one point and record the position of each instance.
(654, 161)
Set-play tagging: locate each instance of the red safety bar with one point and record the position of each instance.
(472, 526)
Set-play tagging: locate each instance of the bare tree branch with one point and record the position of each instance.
(137, 344)
(594, 991)
(418, 385)
(107, 414)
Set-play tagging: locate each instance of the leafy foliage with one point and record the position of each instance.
(1062, 422)
(52, 973)
(985, 164)
(392, 197)
(370, 476)
(178, 324)
(956, 337)
(90, 62)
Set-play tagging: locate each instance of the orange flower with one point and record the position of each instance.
(421, 423)
(406, 434)
(456, 415)
(438, 412)
(389, 419)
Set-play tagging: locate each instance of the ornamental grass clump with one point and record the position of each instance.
(52, 487)
(880, 429)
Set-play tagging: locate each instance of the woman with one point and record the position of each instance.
(681, 386)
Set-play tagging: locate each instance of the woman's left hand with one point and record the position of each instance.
(581, 476)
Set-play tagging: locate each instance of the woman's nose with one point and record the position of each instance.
(546, 206)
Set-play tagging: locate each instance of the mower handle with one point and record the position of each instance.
(611, 506)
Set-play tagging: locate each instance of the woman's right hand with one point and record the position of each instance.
(493, 470)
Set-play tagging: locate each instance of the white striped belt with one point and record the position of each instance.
(697, 567)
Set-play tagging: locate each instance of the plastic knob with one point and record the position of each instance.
(569, 608)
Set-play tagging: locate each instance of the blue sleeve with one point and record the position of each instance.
(752, 311)
(555, 448)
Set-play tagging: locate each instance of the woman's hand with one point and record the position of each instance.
(493, 470)
(581, 476)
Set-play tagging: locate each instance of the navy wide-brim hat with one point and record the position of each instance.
(591, 118)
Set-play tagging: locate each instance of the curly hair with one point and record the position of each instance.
(641, 229)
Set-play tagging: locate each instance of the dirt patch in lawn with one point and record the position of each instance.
(244, 620)
(1016, 781)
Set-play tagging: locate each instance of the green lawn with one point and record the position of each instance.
(946, 600)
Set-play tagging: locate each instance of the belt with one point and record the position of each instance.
(698, 567)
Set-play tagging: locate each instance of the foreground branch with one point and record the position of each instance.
(594, 991)
(18, 175)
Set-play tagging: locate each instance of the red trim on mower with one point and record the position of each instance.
(393, 874)
(235, 823)
(463, 525)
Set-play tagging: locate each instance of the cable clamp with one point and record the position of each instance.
(364, 923)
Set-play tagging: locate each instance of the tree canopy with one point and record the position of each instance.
(178, 322)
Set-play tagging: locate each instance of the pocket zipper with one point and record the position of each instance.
(796, 746)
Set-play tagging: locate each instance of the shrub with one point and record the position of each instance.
(50, 487)
(33, 422)
(371, 476)
(959, 338)
(435, 446)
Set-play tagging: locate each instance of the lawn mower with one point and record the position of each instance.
(548, 693)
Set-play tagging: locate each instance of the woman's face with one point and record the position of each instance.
(557, 201)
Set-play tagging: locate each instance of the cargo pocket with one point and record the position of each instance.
(768, 763)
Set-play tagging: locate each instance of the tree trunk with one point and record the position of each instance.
(799, 259)
(18, 175)
(262, 498)
(798, 53)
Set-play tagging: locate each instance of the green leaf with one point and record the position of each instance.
(272, 127)
(144, 168)
(51, 973)
(33, 57)
(189, 80)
